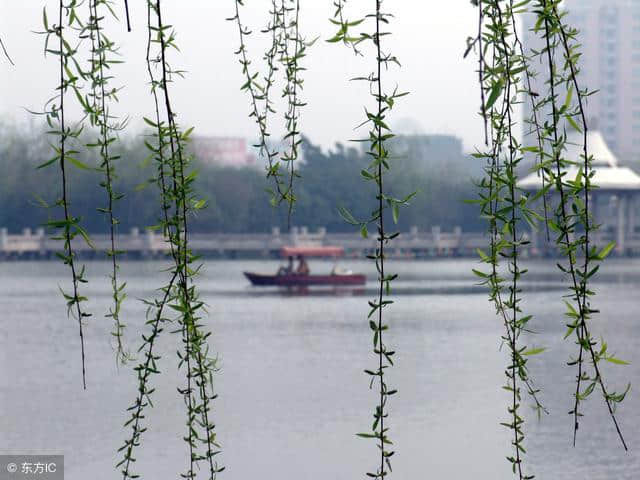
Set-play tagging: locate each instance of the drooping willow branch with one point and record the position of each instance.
(380, 156)
(54, 112)
(126, 11)
(96, 106)
(291, 61)
(378, 138)
(276, 28)
(178, 200)
(156, 309)
(503, 205)
(290, 48)
(259, 93)
(200, 366)
(6, 54)
(533, 121)
(571, 58)
(500, 79)
(516, 322)
(144, 370)
(574, 196)
(343, 32)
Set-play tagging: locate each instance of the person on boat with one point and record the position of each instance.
(303, 268)
(288, 270)
(337, 270)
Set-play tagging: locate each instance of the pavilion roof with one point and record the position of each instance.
(608, 175)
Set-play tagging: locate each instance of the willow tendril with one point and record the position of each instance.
(183, 299)
(144, 370)
(380, 153)
(288, 44)
(276, 28)
(379, 134)
(259, 93)
(196, 340)
(4, 51)
(98, 112)
(503, 211)
(149, 365)
(533, 121)
(199, 366)
(576, 193)
(126, 11)
(514, 269)
(481, 72)
(564, 227)
(587, 173)
(293, 84)
(501, 206)
(55, 116)
(344, 24)
(178, 200)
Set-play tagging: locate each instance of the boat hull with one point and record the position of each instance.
(304, 280)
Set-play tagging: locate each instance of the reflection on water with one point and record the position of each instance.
(292, 391)
(370, 290)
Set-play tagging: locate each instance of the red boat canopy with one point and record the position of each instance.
(312, 251)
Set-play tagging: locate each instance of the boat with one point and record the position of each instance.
(292, 279)
(262, 280)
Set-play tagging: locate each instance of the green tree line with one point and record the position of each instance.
(237, 200)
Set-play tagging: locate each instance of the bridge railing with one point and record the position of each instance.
(145, 243)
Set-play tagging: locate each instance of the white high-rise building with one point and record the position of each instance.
(610, 63)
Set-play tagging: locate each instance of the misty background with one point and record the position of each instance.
(437, 122)
(210, 99)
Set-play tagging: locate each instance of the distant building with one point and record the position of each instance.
(610, 45)
(439, 153)
(614, 204)
(223, 151)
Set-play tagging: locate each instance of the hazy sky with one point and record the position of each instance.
(428, 38)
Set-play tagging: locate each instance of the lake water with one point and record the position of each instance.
(292, 388)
